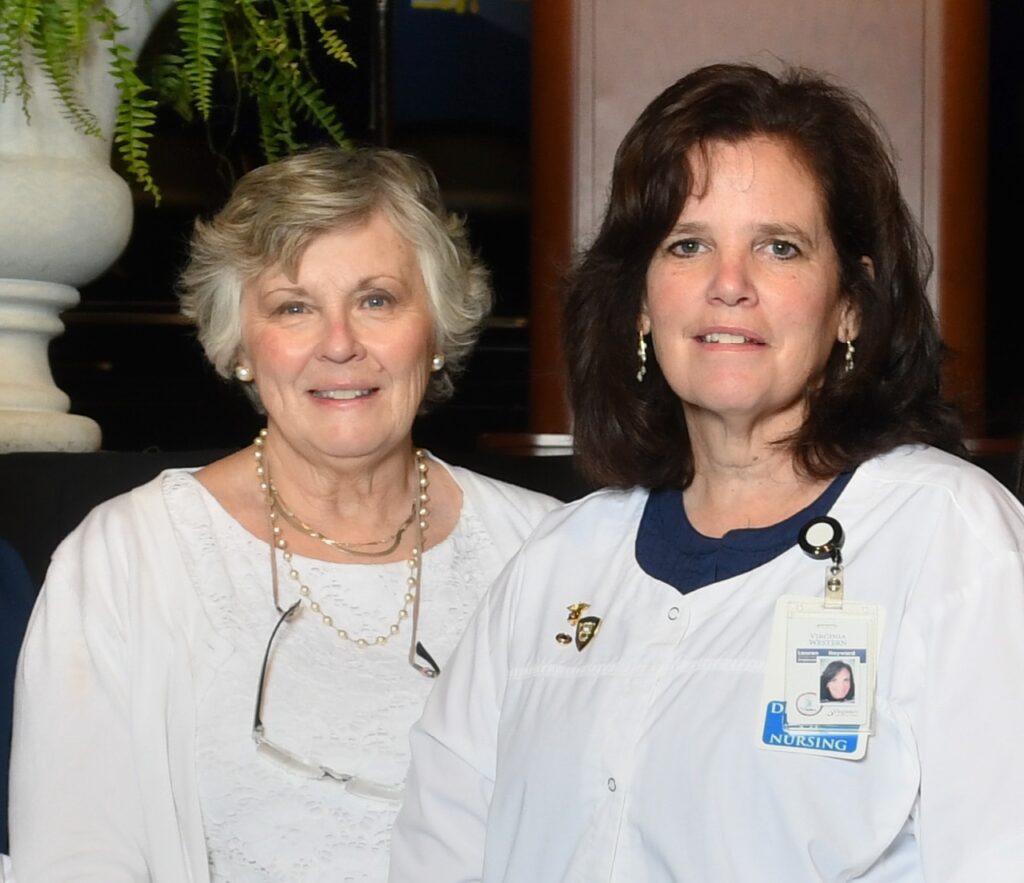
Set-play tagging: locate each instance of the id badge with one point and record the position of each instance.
(829, 653)
(820, 678)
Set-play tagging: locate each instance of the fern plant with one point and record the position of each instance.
(263, 44)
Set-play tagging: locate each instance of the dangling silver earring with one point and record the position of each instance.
(437, 363)
(848, 360)
(243, 374)
(641, 354)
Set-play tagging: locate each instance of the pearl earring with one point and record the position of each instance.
(437, 363)
(641, 353)
(243, 374)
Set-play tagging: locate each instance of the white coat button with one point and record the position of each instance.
(611, 784)
(673, 613)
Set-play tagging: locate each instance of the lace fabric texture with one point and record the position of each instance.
(326, 699)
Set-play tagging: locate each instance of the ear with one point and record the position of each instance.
(849, 316)
(849, 321)
(643, 322)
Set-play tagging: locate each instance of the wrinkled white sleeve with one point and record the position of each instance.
(968, 718)
(441, 829)
(75, 806)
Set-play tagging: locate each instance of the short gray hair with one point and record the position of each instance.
(274, 213)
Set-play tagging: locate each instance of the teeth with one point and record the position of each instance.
(722, 337)
(343, 395)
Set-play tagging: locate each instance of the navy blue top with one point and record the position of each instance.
(16, 596)
(670, 549)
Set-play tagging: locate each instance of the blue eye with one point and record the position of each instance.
(686, 248)
(292, 308)
(782, 249)
(377, 300)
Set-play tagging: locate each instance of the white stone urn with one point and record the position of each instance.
(65, 216)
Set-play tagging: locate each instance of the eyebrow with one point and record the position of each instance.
(688, 228)
(789, 231)
(265, 292)
(367, 282)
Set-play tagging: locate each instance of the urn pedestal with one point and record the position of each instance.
(65, 216)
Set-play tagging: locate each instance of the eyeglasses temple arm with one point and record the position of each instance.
(257, 723)
(422, 651)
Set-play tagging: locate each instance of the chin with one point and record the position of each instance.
(362, 446)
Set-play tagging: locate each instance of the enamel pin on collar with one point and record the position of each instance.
(587, 627)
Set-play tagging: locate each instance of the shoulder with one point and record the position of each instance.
(125, 526)
(148, 500)
(486, 493)
(600, 520)
(921, 466)
(941, 488)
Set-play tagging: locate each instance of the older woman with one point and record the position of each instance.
(637, 698)
(320, 576)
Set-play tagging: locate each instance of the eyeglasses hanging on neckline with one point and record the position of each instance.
(310, 768)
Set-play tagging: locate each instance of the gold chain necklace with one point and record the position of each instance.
(414, 562)
(278, 504)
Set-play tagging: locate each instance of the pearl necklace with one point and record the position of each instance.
(415, 560)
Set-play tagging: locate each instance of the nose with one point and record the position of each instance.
(732, 283)
(339, 339)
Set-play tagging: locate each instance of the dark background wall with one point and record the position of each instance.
(1004, 369)
(460, 98)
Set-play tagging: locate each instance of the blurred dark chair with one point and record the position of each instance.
(16, 596)
(48, 494)
(1003, 458)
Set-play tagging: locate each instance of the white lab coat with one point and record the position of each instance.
(638, 758)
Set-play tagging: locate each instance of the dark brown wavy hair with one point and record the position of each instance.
(629, 433)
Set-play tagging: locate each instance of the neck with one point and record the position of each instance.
(357, 501)
(742, 480)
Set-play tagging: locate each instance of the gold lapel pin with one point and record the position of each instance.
(586, 627)
(586, 630)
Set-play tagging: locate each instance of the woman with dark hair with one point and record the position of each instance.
(837, 683)
(752, 358)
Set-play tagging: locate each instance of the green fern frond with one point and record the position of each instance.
(310, 100)
(135, 116)
(335, 47)
(19, 21)
(319, 12)
(279, 74)
(291, 11)
(265, 44)
(277, 124)
(271, 38)
(202, 34)
(53, 44)
(79, 16)
(171, 86)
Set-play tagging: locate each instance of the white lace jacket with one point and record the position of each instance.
(123, 645)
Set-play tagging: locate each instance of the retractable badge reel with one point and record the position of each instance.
(822, 539)
(820, 673)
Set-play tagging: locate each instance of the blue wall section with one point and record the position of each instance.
(462, 67)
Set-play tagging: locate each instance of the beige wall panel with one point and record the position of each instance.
(629, 51)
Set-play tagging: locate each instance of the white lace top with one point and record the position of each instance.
(325, 699)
